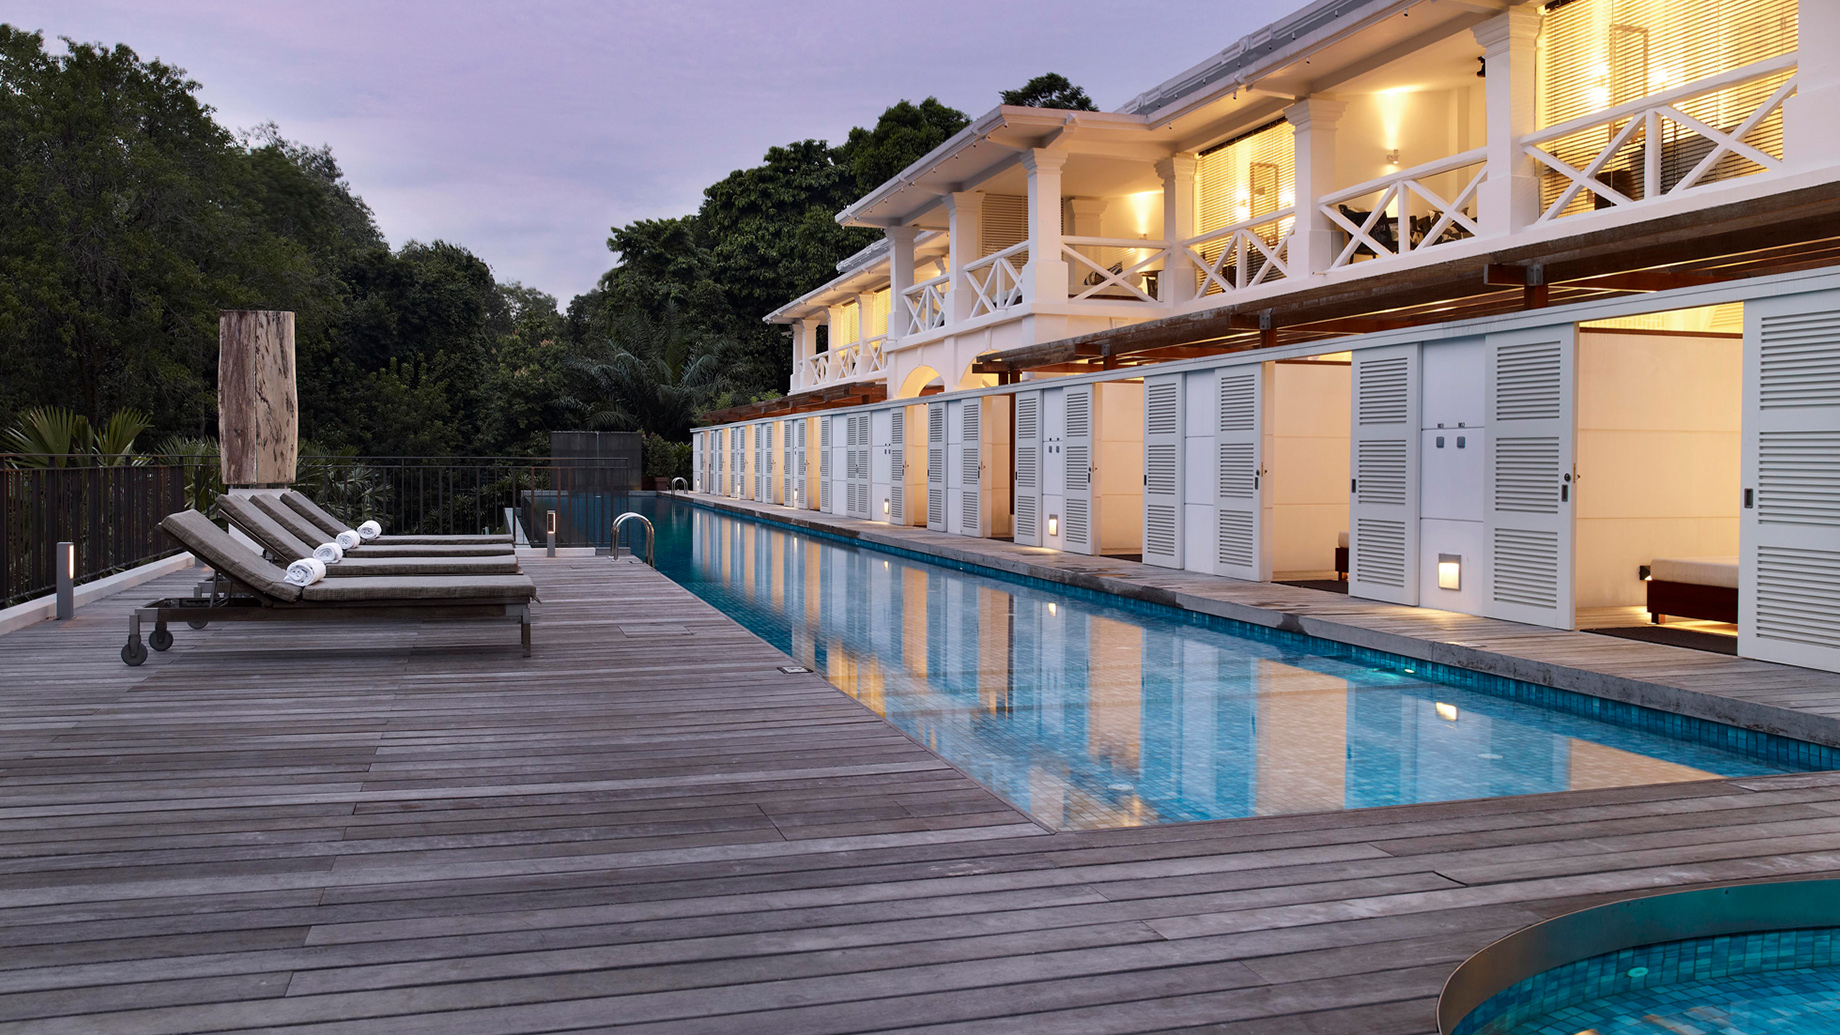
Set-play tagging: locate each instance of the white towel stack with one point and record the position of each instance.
(348, 540)
(329, 553)
(370, 530)
(306, 572)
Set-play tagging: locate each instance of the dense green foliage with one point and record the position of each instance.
(1051, 90)
(129, 218)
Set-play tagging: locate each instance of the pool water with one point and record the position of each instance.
(1762, 983)
(1091, 711)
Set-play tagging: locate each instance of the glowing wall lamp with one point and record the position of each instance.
(1054, 524)
(1450, 571)
(1447, 712)
(884, 508)
(1052, 609)
(66, 558)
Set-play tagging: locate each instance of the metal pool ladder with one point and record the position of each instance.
(619, 532)
(676, 481)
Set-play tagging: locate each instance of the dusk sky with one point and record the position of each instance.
(524, 131)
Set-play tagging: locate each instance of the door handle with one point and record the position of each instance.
(1750, 498)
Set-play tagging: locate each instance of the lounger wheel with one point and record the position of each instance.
(197, 623)
(159, 639)
(134, 653)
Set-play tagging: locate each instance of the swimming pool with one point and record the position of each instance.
(1087, 710)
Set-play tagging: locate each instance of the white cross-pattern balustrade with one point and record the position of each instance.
(1660, 145)
(1243, 254)
(852, 362)
(1405, 212)
(1114, 269)
(926, 303)
(996, 279)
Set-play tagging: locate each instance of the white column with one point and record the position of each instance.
(1313, 119)
(1177, 283)
(965, 220)
(1510, 198)
(900, 277)
(1811, 119)
(835, 320)
(865, 307)
(1046, 278)
(804, 339)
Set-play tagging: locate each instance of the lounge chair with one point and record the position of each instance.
(321, 517)
(252, 589)
(285, 547)
(306, 531)
(1693, 587)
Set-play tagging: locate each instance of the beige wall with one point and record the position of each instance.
(1657, 450)
(1308, 464)
(1119, 457)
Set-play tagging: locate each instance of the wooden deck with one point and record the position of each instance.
(1796, 702)
(646, 827)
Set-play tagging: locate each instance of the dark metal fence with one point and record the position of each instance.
(449, 495)
(112, 511)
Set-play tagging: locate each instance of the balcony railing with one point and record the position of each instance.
(1373, 214)
(996, 279)
(1245, 254)
(857, 360)
(1717, 128)
(926, 303)
(1114, 269)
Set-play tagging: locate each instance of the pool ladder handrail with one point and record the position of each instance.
(619, 530)
(676, 481)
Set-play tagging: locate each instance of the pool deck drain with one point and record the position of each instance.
(1758, 695)
(400, 829)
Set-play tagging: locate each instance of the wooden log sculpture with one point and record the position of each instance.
(258, 412)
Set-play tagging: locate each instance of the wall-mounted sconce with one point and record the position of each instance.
(884, 508)
(66, 579)
(1643, 573)
(1392, 157)
(1052, 609)
(1450, 571)
(1054, 524)
(1447, 712)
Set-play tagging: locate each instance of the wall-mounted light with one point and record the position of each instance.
(1644, 573)
(1447, 712)
(884, 508)
(1052, 609)
(1392, 157)
(1450, 571)
(1054, 524)
(66, 559)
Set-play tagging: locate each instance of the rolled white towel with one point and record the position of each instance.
(370, 530)
(306, 571)
(329, 553)
(348, 540)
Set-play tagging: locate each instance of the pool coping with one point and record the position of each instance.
(1289, 608)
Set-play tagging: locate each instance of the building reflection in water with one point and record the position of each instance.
(1088, 715)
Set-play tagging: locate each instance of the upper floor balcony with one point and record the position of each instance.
(1388, 136)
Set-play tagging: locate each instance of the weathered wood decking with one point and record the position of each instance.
(647, 828)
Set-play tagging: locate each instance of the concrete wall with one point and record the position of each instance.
(1657, 451)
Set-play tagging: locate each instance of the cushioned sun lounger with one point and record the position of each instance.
(297, 524)
(246, 587)
(321, 517)
(1693, 587)
(284, 547)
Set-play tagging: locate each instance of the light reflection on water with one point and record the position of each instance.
(1085, 715)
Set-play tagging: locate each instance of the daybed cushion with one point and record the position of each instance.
(257, 525)
(1341, 540)
(213, 546)
(446, 567)
(297, 525)
(511, 589)
(1697, 571)
(320, 516)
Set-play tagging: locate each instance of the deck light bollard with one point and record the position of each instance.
(552, 533)
(66, 579)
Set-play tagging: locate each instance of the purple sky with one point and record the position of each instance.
(524, 131)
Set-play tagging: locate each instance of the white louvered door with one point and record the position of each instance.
(770, 465)
(824, 464)
(1383, 499)
(1078, 512)
(1239, 473)
(972, 519)
(936, 466)
(737, 460)
(1527, 483)
(1028, 468)
(897, 466)
(1163, 426)
(1789, 525)
(788, 468)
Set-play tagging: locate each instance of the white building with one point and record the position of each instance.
(1518, 301)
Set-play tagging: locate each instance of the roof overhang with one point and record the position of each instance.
(829, 397)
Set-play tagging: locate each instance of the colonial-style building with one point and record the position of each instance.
(1526, 310)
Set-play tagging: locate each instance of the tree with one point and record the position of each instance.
(631, 382)
(1050, 90)
(902, 136)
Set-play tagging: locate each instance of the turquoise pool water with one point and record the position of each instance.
(1764, 983)
(1086, 710)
